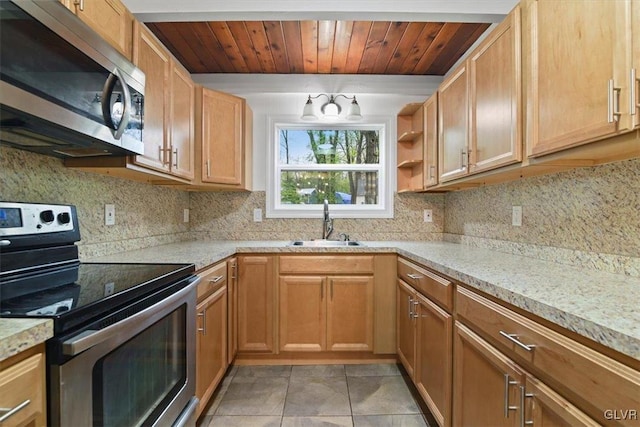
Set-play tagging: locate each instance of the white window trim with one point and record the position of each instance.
(386, 172)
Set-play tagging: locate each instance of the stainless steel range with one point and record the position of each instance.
(124, 334)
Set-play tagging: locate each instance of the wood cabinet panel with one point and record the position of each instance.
(109, 18)
(211, 279)
(634, 95)
(232, 308)
(303, 313)
(592, 381)
(576, 49)
(431, 141)
(22, 379)
(433, 374)
(256, 283)
(154, 60)
(430, 284)
(350, 313)
(495, 97)
(453, 125)
(486, 383)
(181, 126)
(326, 264)
(406, 327)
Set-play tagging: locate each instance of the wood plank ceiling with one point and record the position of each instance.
(318, 47)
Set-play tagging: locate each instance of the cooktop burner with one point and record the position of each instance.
(98, 289)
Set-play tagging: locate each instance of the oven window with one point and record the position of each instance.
(134, 383)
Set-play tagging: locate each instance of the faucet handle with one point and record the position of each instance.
(343, 237)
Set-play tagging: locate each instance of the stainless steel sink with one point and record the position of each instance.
(325, 243)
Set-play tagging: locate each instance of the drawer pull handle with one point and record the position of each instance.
(410, 305)
(507, 383)
(9, 412)
(216, 279)
(415, 276)
(204, 322)
(514, 339)
(415, 313)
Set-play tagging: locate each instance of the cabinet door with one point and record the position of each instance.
(495, 96)
(109, 18)
(232, 308)
(433, 359)
(406, 327)
(350, 313)
(453, 121)
(634, 96)
(211, 345)
(302, 313)
(431, 141)
(152, 58)
(576, 76)
(486, 383)
(545, 407)
(255, 303)
(222, 138)
(181, 136)
(23, 382)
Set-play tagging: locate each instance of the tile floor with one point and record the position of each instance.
(317, 395)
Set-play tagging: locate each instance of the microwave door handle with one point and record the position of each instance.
(107, 91)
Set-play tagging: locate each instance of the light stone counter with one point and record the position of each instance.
(17, 335)
(598, 305)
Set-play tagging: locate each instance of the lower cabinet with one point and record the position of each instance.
(211, 338)
(232, 309)
(256, 288)
(22, 389)
(325, 313)
(492, 390)
(425, 339)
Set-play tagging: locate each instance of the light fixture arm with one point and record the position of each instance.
(354, 108)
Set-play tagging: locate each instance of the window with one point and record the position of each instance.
(342, 163)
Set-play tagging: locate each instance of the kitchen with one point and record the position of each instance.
(584, 217)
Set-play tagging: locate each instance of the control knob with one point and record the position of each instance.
(47, 216)
(64, 218)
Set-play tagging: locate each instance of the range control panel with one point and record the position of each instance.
(18, 219)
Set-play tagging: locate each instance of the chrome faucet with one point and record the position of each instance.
(327, 222)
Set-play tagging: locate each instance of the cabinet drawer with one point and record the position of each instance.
(591, 380)
(22, 384)
(212, 279)
(326, 264)
(427, 283)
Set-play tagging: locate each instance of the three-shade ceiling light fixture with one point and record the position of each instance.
(331, 109)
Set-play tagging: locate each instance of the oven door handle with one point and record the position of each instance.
(89, 338)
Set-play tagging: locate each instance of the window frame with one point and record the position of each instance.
(384, 208)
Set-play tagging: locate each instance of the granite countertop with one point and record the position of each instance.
(597, 305)
(17, 335)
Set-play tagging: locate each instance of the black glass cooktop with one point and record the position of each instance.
(92, 290)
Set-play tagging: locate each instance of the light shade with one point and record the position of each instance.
(354, 111)
(307, 112)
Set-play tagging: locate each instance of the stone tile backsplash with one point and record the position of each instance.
(588, 217)
(146, 215)
(229, 215)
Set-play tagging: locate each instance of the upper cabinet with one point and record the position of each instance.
(577, 72)
(109, 18)
(181, 125)
(410, 148)
(224, 141)
(431, 141)
(634, 104)
(495, 98)
(479, 106)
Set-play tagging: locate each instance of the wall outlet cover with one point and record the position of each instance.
(257, 215)
(185, 215)
(516, 216)
(428, 215)
(109, 214)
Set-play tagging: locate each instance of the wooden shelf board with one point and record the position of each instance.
(409, 109)
(410, 136)
(410, 163)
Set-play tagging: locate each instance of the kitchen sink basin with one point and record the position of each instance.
(325, 243)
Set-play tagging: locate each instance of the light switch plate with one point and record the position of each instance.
(257, 215)
(185, 215)
(109, 214)
(516, 216)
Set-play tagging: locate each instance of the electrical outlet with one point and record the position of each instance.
(428, 215)
(516, 216)
(185, 215)
(109, 214)
(109, 289)
(257, 215)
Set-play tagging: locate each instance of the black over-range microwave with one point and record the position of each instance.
(64, 91)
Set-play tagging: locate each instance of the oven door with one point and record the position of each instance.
(137, 371)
